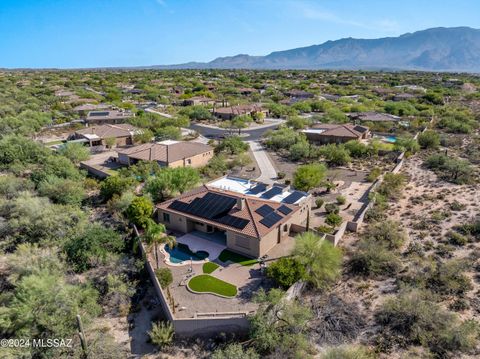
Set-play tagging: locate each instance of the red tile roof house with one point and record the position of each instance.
(228, 113)
(326, 133)
(251, 225)
(168, 154)
(97, 135)
(198, 100)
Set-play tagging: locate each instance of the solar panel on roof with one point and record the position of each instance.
(294, 197)
(259, 188)
(271, 219)
(284, 209)
(210, 206)
(232, 221)
(272, 192)
(103, 113)
(264, 210)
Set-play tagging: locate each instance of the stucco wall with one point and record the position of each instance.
(199, 160)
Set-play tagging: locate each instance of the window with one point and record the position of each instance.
(189, 161)
(285, 227)
(166, 217)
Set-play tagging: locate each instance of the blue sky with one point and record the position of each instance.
(97, 33)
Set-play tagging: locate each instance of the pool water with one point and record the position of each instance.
(390, 139)
(181, 253)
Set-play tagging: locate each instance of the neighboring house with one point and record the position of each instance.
(326, 133)
(97, 135)
(168, 154)
(299, 94)
(198, 100)
(251, 219)
(247, 91)
(108, 117)
(85, 108)
(373, 117)
(228, 113)
(403, 97)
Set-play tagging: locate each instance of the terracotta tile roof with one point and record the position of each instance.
(239, 109)
(108, 115)
(107, 131)
(374, 117)
(253, 229)
(336, 130)
(166, 151)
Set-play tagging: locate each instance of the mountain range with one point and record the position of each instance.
(455, 49)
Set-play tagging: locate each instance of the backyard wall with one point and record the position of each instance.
(204, 324)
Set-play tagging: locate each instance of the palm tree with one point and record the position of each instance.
(155, 234)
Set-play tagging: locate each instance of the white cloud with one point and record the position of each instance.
(161, 2)
(312, 12)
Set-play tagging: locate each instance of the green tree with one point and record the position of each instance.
(309, 176)
(140, 211)
(63, 191)
(429, 139)
(154, 235)
(93, 247)
(75, 152)
(336, 155)
(161, 334)
(143, 136)
(232, 145)
(408, 144)
(184, 179)
(308, 249)
(115, 185)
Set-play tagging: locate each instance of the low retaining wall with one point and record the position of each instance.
(94, 171)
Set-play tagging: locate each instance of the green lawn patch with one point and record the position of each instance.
(205, 283)
(227, 255)
(209, 267)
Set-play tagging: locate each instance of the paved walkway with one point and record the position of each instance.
(269, 174)
(158, 112)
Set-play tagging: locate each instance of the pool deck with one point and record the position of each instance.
(196, 244)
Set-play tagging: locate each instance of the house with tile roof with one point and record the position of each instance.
(325, 133)
(229, 112)
(98, 135)
(168, 154)
(250, 217)
(108, 117)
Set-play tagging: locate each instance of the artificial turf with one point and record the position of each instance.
(209, 267)
(227, 255)
(205, 283)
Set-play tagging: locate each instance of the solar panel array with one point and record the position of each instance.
(259, 188)
(272, 192)
(265, 210)
(101, 113)
(211, 206)
(284, 209)
(271, 219)
(294, 197)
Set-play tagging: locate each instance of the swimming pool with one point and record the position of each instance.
(390, 139)
(181, 253)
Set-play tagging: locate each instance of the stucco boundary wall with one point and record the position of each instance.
(94, 171)
(203, 324)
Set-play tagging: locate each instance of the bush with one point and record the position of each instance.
(341, 200)
(373, 259)
(319, 202)
(333, 220)
(349, 352)
(286, 271)
(281, 175)
(451, 169)
(115, 185)
(429, 139)
(374, 174)
(309, 176)
(235, 351)
(392, 185)
(332, 208)
(335, 155)
(456, 238)
(161, 334)
(387, 233)
(164, 276)
(449, 279)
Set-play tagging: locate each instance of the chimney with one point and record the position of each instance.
(240, 203)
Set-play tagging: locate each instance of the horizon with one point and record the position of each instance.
(123, 34)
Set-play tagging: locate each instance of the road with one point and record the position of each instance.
(253, 134)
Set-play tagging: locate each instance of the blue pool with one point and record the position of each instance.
(390, 139)
(182, 253)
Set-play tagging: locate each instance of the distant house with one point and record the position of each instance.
(403, 97)
(198, 100)
(299, 94)
(168, 154)
(247, 91)
(357, 117)
(325, 133)
(330, 97)
(227, 113)
(85, 108)
(97, 135)
(108, 117)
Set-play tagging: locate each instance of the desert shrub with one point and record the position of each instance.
(374, 174)
(161, 334)
(341, 200)
(456, 238)
(309, 176)
(332, 208)
(387, 233)
(450, 169)
(335, 155)
(286, 271)
(349, 352)
(319, 202)
(449, 279)
(235, 351)
(429, 139)
(324, 229)
(281, 175)
(374, 259)
(164, 276)
(392, 184)
(333, 219)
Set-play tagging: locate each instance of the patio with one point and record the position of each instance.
(198, 241)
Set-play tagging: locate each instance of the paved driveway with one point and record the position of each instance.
(253, 134)
(269, 174)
